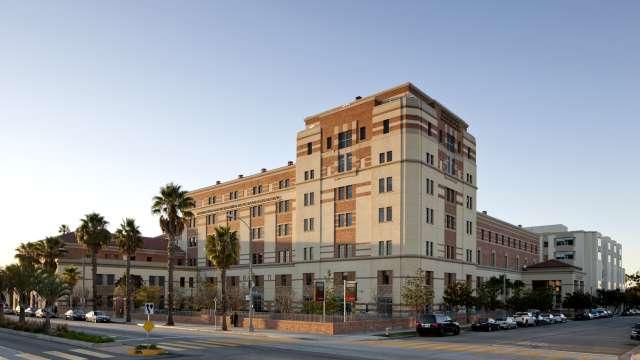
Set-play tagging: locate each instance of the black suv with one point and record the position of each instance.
(485, 324)
(436, 324)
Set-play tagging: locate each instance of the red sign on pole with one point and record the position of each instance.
(351, 291)
(319, 291)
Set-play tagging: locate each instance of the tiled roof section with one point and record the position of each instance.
(552, 263)
(152, 243)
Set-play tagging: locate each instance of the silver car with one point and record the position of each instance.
(97, 316)
(507, 323)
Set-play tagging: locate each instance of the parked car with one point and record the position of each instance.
(29, 312)
(584, 315)
(546, 319)
(630, 312)
(74, 315)
(635, 332)
(595, 314)
(436, 324)
(6, 309)
(560, 317)
(41, 313)
(525, 319)
(507, 323)
(485, 324)
(602, 313)
(97, 316)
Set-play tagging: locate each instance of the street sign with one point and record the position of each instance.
(148, 326)
(319, 291)
(351, 291)
(148, 308)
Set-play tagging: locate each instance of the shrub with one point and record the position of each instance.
(63, 332)
(33, 326)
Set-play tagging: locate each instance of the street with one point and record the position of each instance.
(596, 339)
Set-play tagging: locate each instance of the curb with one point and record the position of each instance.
(632, 354)
(230, 332)
(59, 340)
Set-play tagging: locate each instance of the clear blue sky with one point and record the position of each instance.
(103, 102)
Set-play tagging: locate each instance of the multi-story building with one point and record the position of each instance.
(382, 186)
(598, 256)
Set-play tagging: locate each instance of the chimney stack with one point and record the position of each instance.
(290, 163)
(240, 176)
(263, 170)
(484, 212)
(217, 182)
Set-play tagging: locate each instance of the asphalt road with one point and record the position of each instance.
(603, 339)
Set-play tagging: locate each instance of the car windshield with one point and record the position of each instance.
(522, 314)
(429, 318)
(98, 313)
(501, 319)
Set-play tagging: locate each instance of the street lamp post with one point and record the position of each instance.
(251, 329)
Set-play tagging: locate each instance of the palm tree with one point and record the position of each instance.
(20, 282)
(174, 207)
(64, 229)
(50, 287)
(92, 233)
(222, 249)
(70, 276)
(49, 251)
(129, 240)
(3, 287)
(27, 253)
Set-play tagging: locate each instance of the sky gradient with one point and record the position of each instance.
(101, 103)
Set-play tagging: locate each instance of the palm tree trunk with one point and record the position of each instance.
(21, 298)
(170, 252)
(223, 278)
(127, 291)
(94, 276)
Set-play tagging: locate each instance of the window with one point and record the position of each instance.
(389, 156)
(345, 162)
(381, 248)
(450, 252)
(506, 261)
(212, 200)
(429, 248)
(309, 148)
(191, 282)
(493, 259)
(308, 253)
(450, 195)
(429, 183)
(256, 233)
(182, 282)
(381, 215)
(363, 133)
(469, 202)
(233, 195)
(308, 224)
(384, 277)
(329, 142)
(192, 241)
(385, 126)
(389, 247)
(344, 250)
(430, 159)
(469, 178)
(257, 190)
(211, 219)
(308, 199)
(283, 184)
(385, 214)
(470, 229)
(309, 174)
(345, 192)
(381, 160)
(385, 185)
(256, 211)
(232, 215)
(149, 258)
(283, 206)
(450, 222)
(451, 143)
(449, 279)
(429, 216)
(345, 220)
(469, 255)
(344, 139)
(110, 279)
(389, 214)
(282, 229)
(257, 258)
(428, 278)
(478, 257)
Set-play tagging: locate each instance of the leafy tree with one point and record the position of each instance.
(20, 281)
(70, 276)
(222, 249)
(459, 294)
(540, 298)
(174, 207)
(487, 297)
(632, 280)
(128, 239)
(632, 297)
(93, 234)
(148, 294)
(577, 301)
(416, 293)
(206, 295)
(27, 254)
(50, 287)
(49, 251)
(63, 229)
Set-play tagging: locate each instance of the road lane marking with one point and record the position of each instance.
(30, 356)
(65, 355)
(167, 347)
(183, 345)
(92, 353)
(214, 343)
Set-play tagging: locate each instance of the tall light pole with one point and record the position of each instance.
(251, 329)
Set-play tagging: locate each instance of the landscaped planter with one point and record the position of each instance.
(146, 352)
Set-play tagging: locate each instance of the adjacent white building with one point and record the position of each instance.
(600, 257)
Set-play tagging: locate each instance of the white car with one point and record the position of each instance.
(559, 317)
(525, 319)
(507, 322)
(97, 316)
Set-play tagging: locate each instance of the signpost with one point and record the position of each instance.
(148, 325)
(319, 296)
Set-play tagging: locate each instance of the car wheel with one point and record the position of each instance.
(441, 332)
(456, 331)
